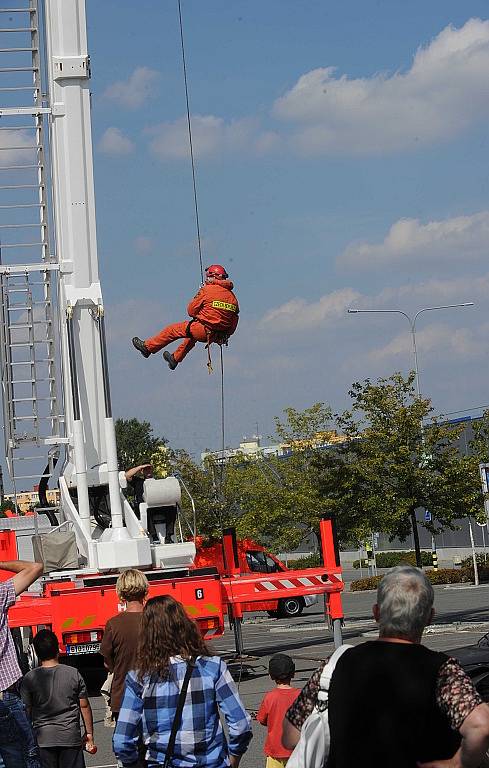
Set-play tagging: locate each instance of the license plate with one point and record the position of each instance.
(72, 650)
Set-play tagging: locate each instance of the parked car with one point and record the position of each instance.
(475, 661)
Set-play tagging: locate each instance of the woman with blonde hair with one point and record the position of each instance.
(174, 695)
(121, 632)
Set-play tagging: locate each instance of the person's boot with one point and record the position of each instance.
(172, 363)
(141, 346)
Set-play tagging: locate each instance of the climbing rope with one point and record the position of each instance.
(189, 125)
(199, 240)
(222, 420)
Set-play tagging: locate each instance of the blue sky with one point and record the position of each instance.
(342, 160)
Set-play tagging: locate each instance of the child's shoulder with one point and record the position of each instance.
(278, 693)
(32, 675)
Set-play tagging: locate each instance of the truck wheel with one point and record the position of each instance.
(22, 656)
(289, 607)
(33, 661)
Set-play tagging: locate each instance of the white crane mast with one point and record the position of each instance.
(66, 279)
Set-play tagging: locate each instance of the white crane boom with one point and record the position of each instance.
(51, 36)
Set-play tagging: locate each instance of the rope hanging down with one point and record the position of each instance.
(222, 420)
(199, 240)
(189, 126)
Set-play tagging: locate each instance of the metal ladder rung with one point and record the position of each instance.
(29, 477)
(21, 186)
(31, 325)
(19, 88)
(18, 289)
(17, 10)
(32, 381)
(31, 362)
(18, 50)
(19, 226)
(10, 149)
(16, 206)
(33, 418)
(19, 69)
(16, 307)
(21, 167)
(19, 29)
(29, 343)
(32, 399)
(20, 245)
(15, 287)
(29, 458)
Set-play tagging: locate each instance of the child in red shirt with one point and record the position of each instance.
(274, 706)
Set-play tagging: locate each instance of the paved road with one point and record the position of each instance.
(308, 640)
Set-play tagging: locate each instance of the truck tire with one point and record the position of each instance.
(22, 656)
(273, 614)
(290, 607)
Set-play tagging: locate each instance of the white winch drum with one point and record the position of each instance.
(162, 493)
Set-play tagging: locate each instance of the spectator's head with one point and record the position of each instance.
(281, 668)
(132, 586)
(46, 645)
(166, 631)
(404, 604)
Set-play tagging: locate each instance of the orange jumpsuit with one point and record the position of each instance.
(214, 312)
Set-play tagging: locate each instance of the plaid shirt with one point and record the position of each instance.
(149, 705)
(9, 666)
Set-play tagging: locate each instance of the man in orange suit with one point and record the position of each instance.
(214, 316)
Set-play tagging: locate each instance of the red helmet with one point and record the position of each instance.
(216, 272)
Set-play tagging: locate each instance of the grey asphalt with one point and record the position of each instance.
(309, 640)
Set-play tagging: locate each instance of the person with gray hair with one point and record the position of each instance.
(392, 701)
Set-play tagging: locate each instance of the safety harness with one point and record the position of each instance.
(218, 337)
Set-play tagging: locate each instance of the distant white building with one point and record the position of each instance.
(251, 447)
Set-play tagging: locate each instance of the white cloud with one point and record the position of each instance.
(445, 90)
(435, 290)
(143, 244)
(133, 92)
(458, 239)
(113, 142)
(211, 135)
(301, 314)
(330, 310)
(467, 343)
(20, 139)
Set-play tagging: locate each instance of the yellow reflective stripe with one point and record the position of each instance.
(87, 621)
(224, 305)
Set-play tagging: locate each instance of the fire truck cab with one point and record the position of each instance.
(254, 558)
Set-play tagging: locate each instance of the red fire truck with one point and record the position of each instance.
(76, 605)
(57, 407)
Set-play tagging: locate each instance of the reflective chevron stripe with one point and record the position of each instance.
(302, 581)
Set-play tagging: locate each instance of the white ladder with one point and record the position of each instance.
(33, 424)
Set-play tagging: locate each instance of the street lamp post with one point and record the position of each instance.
(412, 325)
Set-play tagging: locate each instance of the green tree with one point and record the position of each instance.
(214, 511)
(277, 499)
(396, 459)
(136, 442)
(273, 499)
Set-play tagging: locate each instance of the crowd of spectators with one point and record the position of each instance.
(171, 694)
